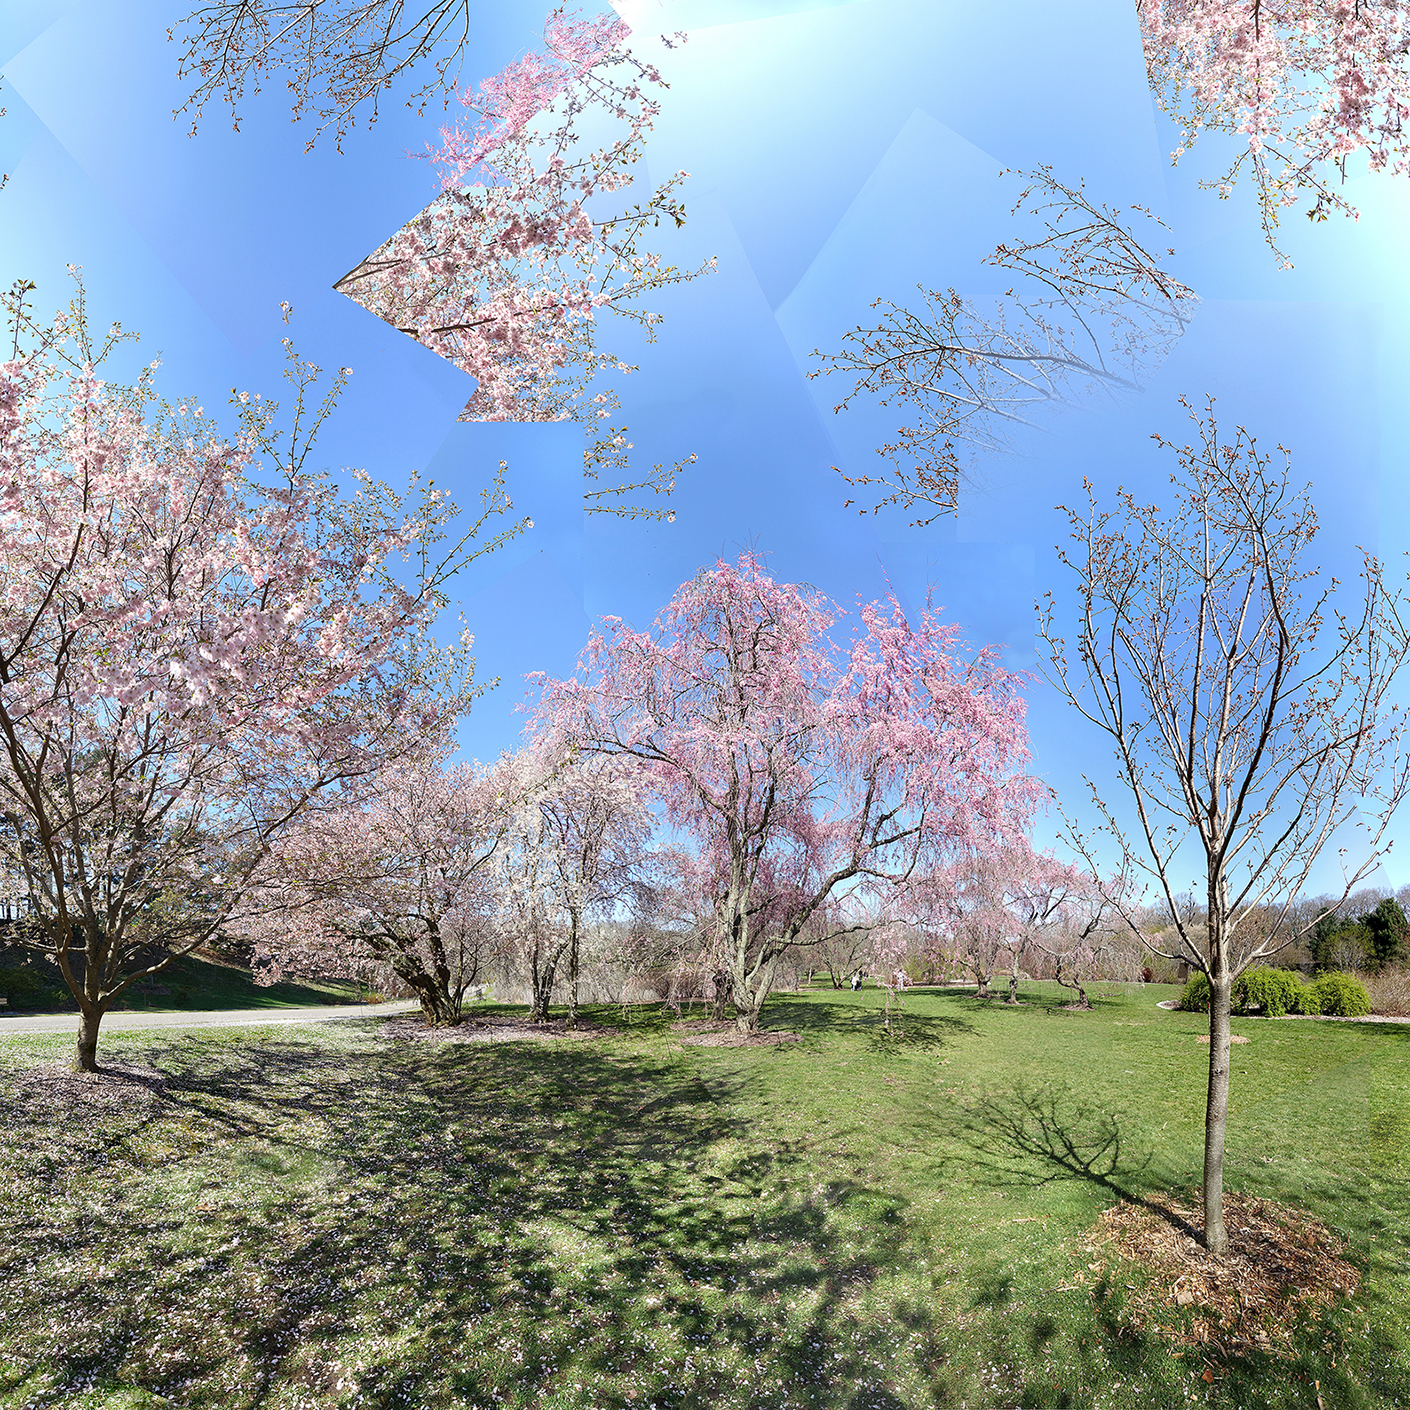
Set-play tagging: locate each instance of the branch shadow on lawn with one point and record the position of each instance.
(863, 1017)
(421, 1224)
(1036, 1134)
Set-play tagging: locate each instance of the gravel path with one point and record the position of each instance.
(208, 1018)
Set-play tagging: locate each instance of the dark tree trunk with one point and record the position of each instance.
(86, 1058)
(439, 1007)
(724, 992)
(541, 974)
(1013, 990)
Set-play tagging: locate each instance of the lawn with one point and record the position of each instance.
(327, 1216)
(191, 984)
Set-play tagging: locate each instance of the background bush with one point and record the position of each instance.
(1336, 994)
(1274, 991)
(1195, 999)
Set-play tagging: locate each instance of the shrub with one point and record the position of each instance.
(1195, 999)
(30, 988)
(1274, 991)
(1389, 990)
(1337, 994)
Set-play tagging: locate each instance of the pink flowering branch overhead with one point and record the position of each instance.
(535, 235)
(1301, 87)
(801, 770)
(199, 639)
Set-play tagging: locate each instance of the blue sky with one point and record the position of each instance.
(837, 152)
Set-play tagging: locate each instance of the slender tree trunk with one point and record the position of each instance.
(541, 973)
(572, 1019)
(1013, 990)
(86, 1058)
(1216, 1112)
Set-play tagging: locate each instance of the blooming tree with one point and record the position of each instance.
(579, 851)
(1302, 86)
(1038, 895)
(533, 236)
(199, 639)
(1084, 933)
(397, 879)
(1247, 727)
(968, 919)
(800, 770)
(1093, 311)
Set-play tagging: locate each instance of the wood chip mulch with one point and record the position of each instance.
(1282, 1269)
(410, 1027)
(708, 1033)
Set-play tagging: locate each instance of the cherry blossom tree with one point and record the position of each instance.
(397, 880)
(971, 922)
(579, 851)
(1093, 311)
(199, 640)
(1300, 86)
(533, 237)
(1038, 894)
(800, 770)
(1249, 725)
(1084, 933)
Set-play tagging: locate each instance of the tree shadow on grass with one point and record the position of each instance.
(862, 1017)
(419, 1224)
(1035, 1135)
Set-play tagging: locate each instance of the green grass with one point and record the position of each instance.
(323, 1217)
(191, 984)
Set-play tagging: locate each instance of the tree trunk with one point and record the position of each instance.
(572, 1019)
(86, 1057)
(724, 991)
(542, 969)
(1013, 990)
(542, 994)
(1216, 1112)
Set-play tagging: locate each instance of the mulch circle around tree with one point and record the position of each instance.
(1282, 1269)
(710, 1033)
(130, 1088)
(497, 1029)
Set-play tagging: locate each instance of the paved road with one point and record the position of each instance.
(209, 1018)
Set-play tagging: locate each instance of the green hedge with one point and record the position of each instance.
(1195, 998)
(1274, 992)
(1341, 995)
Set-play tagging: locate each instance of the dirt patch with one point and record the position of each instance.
(410, 1027)
(1233, 1038)
(1282, 1267)
(707, 1033)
